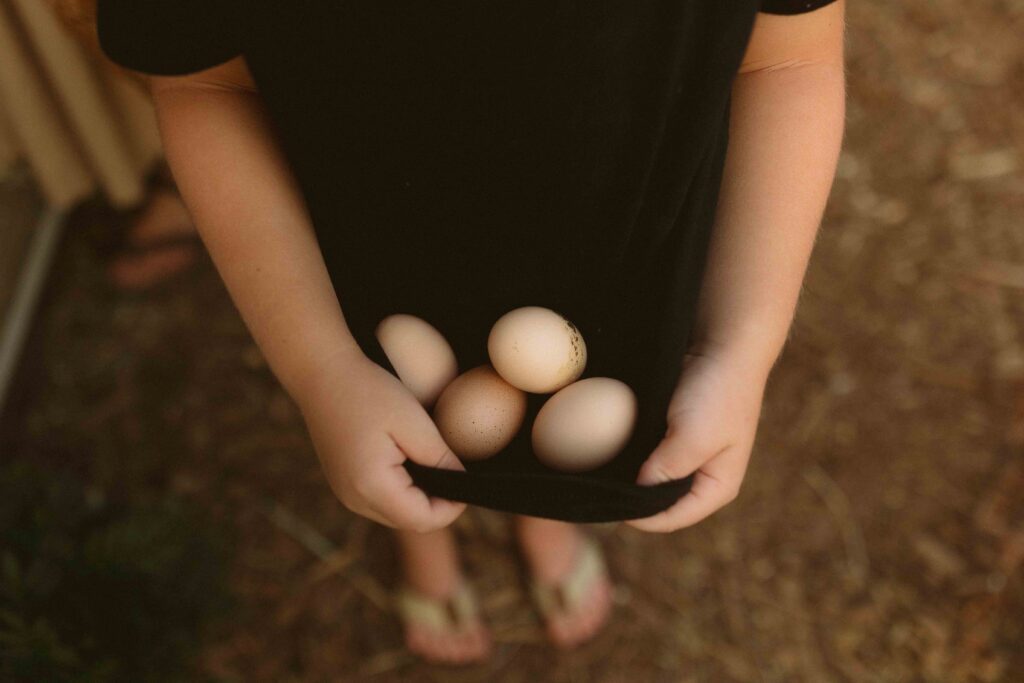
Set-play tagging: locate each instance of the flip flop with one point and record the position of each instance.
(122, 244)
(565, 596)
(453, 615)
(135, 249)
(177, 238)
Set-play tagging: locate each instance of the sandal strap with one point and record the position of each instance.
(157, 243)
(573, 588)
(438, 612)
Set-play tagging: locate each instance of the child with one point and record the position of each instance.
(368, 157)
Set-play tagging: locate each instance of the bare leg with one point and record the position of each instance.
(550, 548)
(430, 564)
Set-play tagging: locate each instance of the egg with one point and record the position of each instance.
(421, 356)
(584, 425)
(536, 349)
(479, 413)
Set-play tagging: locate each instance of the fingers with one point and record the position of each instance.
(678, 455)
(370, 513)
(399, 514)
(380, 487)
(390, 493)
(421, 442)
(708, 494)
(408, 507)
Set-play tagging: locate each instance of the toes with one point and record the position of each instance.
(571, 630)
(599, 610)
(442, 647)
(472, 644)
(484, 638)
(461, 647)
(560, 628)
(448, 647)
(560, 631)
(427, 644)
(476, 643)
(416, 641)
(581, 627)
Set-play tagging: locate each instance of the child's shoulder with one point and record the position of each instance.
(778, 41)
(232, 75)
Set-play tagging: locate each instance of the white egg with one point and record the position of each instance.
(536, 349)
(422, 358)
(479, 413)
(584, 425)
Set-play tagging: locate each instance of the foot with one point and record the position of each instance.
(431, 569)
(552, 550)
(164, 216)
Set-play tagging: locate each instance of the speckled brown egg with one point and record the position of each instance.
(536, 349)
(479, 413)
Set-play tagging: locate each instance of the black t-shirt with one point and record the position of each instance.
(464, 158)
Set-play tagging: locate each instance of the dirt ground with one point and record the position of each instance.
(879, 535)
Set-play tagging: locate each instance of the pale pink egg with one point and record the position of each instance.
(421, 356)
(584, 425)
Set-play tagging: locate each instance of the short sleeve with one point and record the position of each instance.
(168, 37)
(792, 6)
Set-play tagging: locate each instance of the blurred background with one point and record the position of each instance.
(163, 516)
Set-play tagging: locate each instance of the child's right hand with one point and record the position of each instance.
(364, 423)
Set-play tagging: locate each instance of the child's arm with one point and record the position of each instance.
(786, 127)
(253, 220)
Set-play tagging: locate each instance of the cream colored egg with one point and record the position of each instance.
(584, 425)
(536, 349)
(479, 413)
(421, 356)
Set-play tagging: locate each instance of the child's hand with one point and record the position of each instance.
(364, 423)
(712, 419)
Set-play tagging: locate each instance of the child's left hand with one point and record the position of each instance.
(712, 420)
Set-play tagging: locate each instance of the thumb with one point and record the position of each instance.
(675, 457)
(422, 443)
